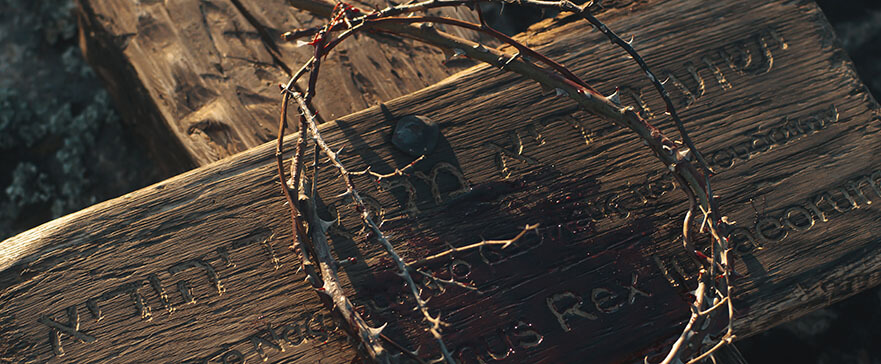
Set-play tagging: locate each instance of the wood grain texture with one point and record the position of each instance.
(774, 104)
(199, 79)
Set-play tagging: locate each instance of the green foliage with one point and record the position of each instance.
(62, 145)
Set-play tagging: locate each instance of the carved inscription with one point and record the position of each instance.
(264, 343)
(184, 286)
(568, 307)
(763, 140)
(501, 344)
(130, 289)
(825, 204)
(621, 202)
(674, 275)
(518, 146)
(71, 328)
(132, 292)
(752, 56)
(512, 150)
(413, 200)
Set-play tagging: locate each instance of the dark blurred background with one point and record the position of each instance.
(63, 147)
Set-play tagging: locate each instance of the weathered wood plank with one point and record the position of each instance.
(199, 79)
(791, 131)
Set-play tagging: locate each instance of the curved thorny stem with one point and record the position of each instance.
(715, 278)
(367, 220)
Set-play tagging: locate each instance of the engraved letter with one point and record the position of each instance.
(806, 217)
(748, 243)
(768, 59)
(722, 158)
(322, 332)
(696, 76)
(778, 136)
(505, 349)
(576, 124)
(665, 271)
(873, 180)
(572, 308)
(132, 289)
(433, 181)
(759, 144)
(633, 291)
(71, 328)
(690, 98)
(258, 342)
(644, 111)
(635, 191)
(184, 286)
(762, 230)
(742, 62)
(291, 334)
(857, 185)
(831, 114)
(233, 357)
(814, 205)
(374, 207)
(593, 209)
(515, 151)
(526, 335)
(163, 297)
(224, 256)
(720, 77)
(612, 206)
(778, 38)
(847, 206)
(660, 186)
(745, 146)
(601, 298)
(460, 269)
(792, 127)
(267, 248)
(739, 61)
(534, 131)
(404, 183)
(810, 124)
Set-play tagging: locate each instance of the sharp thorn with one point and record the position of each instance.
(377, 330)
(324, 225)
(615, 98)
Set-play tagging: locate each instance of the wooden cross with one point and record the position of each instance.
(199, 269)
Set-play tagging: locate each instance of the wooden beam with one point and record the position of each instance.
(199, 79)
(197, 268)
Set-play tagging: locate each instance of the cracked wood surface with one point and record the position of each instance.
(199, 79)
(197, 268)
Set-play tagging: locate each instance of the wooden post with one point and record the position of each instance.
(199, 79)
(198, 268)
